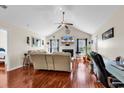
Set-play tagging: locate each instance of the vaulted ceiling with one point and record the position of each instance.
(43, 18)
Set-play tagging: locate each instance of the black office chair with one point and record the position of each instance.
(115, 82)
(103, 74)
(101, 62)
(100, 58)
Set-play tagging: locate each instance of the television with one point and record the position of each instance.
(67, 39)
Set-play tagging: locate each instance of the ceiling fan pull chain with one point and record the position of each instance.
(63, 17)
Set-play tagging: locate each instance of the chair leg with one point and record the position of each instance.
(24, 62)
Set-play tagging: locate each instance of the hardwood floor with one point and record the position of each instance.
(80, 77)
(2, 66)
(3, 75)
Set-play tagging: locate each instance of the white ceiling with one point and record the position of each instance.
(43, 18)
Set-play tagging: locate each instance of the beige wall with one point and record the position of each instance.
(76, 33)
(115, 46)
(17, 45)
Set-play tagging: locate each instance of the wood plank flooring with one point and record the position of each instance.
(80, 77)
(3, 75)
(2, 65)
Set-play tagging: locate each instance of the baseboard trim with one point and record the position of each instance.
(14, 68)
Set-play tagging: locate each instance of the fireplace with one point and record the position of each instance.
(69, 50)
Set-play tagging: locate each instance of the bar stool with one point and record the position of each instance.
(26, 60)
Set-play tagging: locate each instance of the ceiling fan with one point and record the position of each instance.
(63, 23)
(3, 6)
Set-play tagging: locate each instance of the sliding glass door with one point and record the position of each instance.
(81, 46)
(54, 45)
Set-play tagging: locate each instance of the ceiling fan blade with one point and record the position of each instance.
(59, 26)
(66, 26)
(68, 23)
(3, 6)
(63, 23)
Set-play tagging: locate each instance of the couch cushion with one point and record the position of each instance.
(39, 61)
(62, 53)
(36, 51)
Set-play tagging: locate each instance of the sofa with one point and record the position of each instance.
(36, 51)
(57, 61)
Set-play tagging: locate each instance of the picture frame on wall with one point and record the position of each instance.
(28, 40)
(36, 42)
(108, 34)
(42, 42)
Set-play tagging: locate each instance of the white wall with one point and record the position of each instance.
(76, 33)
(17, 45)
(3, 39)
(115, 46)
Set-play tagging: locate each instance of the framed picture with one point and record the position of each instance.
(42, 42)
(28, 40)
(108, 34)
(36, 42)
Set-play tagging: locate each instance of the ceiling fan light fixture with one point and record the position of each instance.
(63, 23)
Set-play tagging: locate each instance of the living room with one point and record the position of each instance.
(54, 40)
